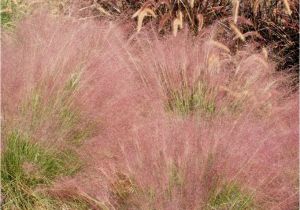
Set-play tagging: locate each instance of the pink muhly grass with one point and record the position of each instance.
(49, 63)
(144, 154)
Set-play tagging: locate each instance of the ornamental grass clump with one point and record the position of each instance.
(163, 122)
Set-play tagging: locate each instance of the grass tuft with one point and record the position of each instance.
(123, 191)
(231, 197)
(26, 168)
(190, 100)
(12, 11)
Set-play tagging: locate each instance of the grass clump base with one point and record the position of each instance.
(230, 196)
(27, 168)
(190, 100)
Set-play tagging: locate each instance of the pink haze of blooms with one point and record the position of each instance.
(122, 87)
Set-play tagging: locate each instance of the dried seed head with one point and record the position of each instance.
(141, 14)
(237, 31)
(287, 7)
(235, 10)
(200, 21)
(178, 23)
